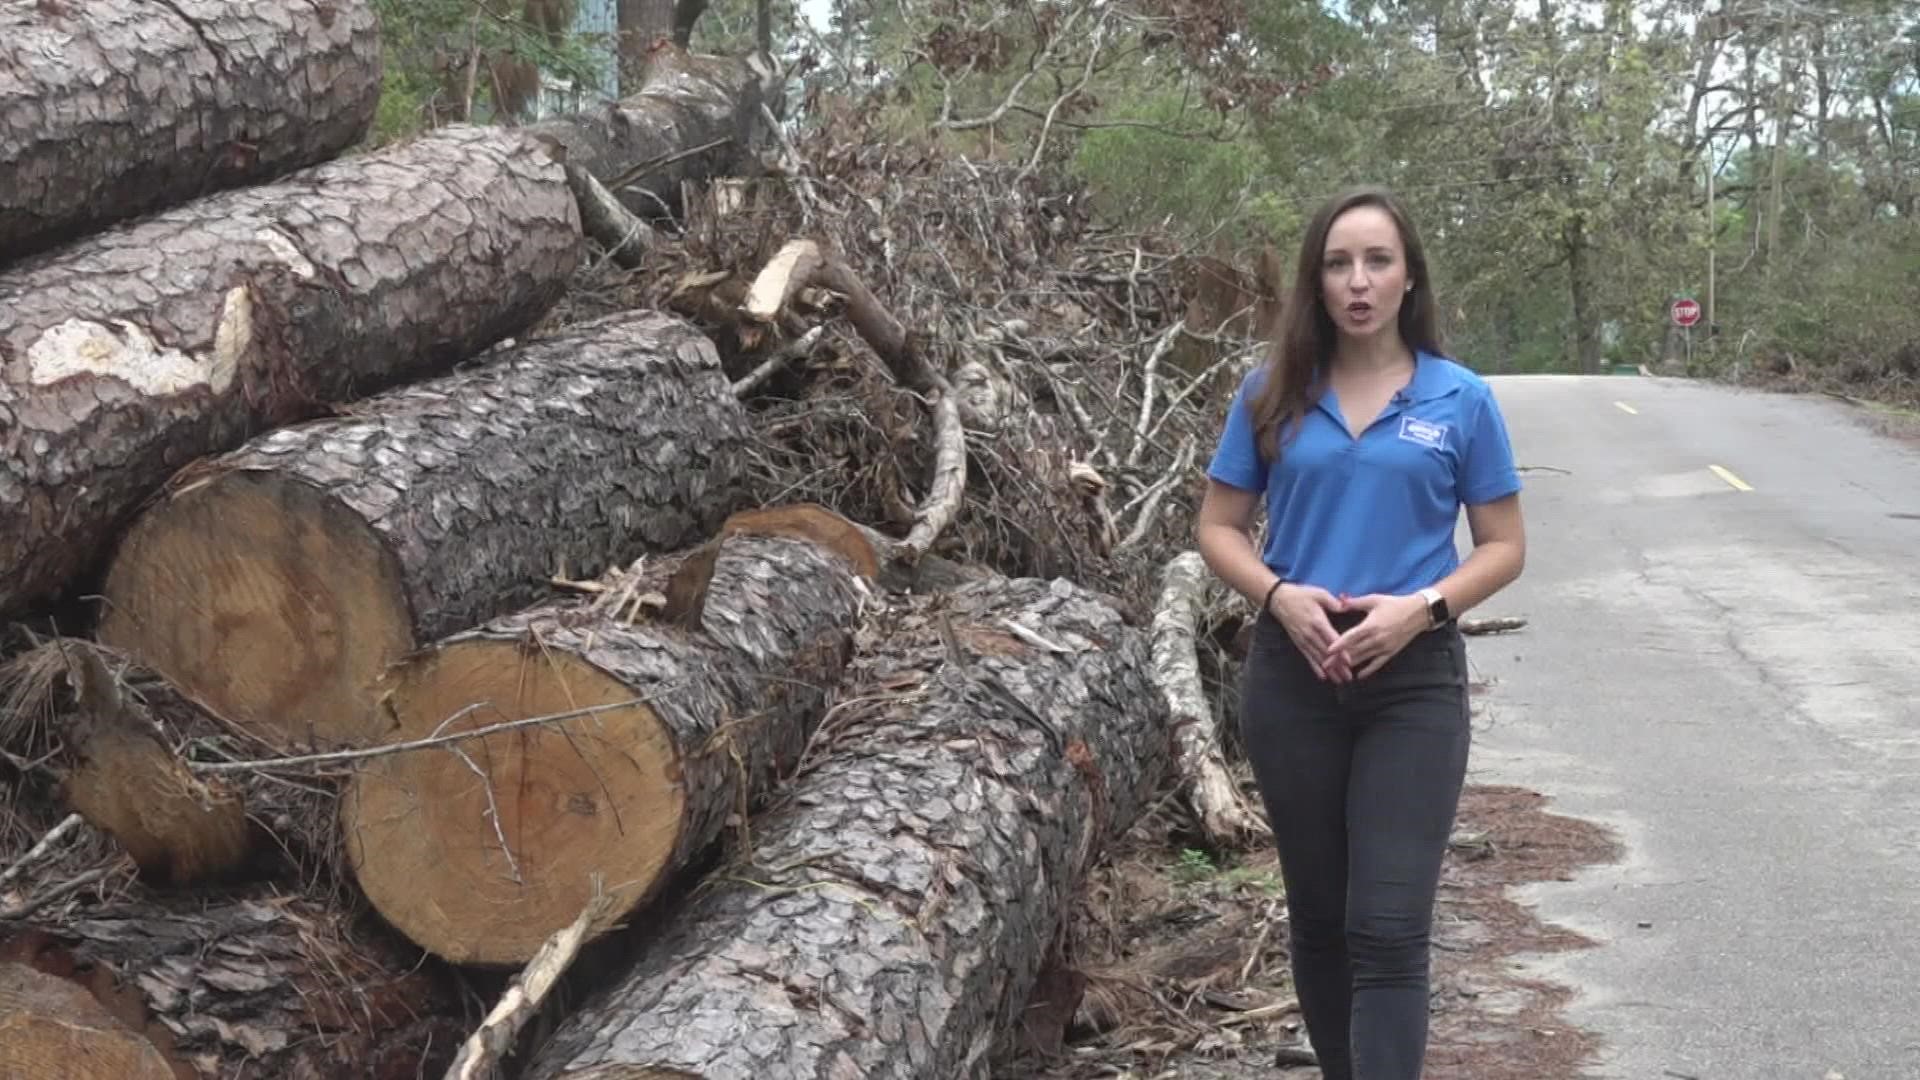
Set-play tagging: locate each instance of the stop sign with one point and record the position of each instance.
(1686, 312)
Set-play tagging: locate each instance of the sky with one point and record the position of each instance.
(816, 11)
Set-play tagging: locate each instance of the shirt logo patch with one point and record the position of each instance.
(1425, 432)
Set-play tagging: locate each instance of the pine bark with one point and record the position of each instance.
(114, 108)
(687, 101)
(127, 355)
(277, 582)
(898, 904)
(259, 985)
(692, 723)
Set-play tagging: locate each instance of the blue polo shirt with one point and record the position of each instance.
(1376, 513)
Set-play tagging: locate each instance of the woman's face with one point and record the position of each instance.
(1363, 272)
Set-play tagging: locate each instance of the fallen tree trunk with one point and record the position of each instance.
(115, 108)
(1224, 814)
(277, 582)
(900, 901)
(125, 356)
(643, 739)
(694, 116)
(262, 985)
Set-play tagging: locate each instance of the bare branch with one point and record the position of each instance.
(484, 1051)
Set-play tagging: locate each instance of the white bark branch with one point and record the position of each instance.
(1216, 800)
(481, 1055)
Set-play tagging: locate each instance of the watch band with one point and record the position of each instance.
(1437, 613)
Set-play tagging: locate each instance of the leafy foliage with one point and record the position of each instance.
(1556, 155)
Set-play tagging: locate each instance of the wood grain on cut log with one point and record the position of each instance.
(1223, 812)
(483, 1055)
(143, 767)
(126, 355)
(253, 985)
(903, 895)
(693, 117)
(114, 108)
(180, 829)
(52, 1027)
(278, 581)
(480, 851)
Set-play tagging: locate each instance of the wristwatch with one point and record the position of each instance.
(1437, 613)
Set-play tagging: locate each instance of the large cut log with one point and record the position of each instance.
(126, 355)
(114, 108)
(277, 582)
(480, 850)
(253, 985)
(899, 902)
(694, 116)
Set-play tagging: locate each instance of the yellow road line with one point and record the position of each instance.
(1732, 481)
(1626, 408)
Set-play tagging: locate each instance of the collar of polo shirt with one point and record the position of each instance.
(1374, 511)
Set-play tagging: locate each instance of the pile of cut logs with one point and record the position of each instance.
(405, 639)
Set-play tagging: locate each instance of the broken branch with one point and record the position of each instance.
(1202, 767)
(482, 1053)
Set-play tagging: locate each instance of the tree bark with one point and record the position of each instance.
(277, 582)
(643, 23)
(259, 985)
(694, 117)
(671, 725)
(1586, 334)
(896, 908)
(127, 355)
(114, 108)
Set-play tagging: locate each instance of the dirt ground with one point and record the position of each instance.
(1185, 961)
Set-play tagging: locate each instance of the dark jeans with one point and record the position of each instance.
(1361, 782)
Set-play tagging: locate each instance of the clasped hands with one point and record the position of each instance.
(1390, 622)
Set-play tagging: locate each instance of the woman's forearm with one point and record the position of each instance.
(1230, 554)
(1490, 567)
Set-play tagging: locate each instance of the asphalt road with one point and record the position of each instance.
(1724, 667)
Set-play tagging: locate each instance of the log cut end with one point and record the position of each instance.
(254, 591)
(686, 593)
(179, 829)
(810, 521)
(124, 781)
(479, 849)
(52, 1027)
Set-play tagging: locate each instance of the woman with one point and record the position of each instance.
(1365, 443)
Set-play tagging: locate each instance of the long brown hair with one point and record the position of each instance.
(1303, 345)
